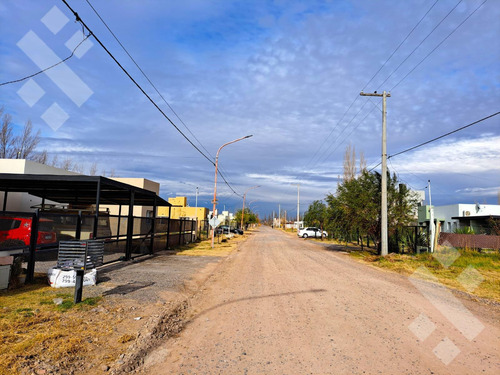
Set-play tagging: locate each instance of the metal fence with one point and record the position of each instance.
(36, 235)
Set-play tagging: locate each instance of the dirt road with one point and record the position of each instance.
(282, 305)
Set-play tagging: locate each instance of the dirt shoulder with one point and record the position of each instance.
(135, 305)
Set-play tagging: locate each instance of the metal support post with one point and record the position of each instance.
(96, 215)
(30, 276)
(130, 227)
(78, 286)
(168, 226)
(153, 229)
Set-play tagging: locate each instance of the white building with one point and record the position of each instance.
(460, 215)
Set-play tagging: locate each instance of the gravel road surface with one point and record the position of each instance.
(283, 305)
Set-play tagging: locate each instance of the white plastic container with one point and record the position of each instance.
(4, 276)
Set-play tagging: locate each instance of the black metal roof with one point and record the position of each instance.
(78, 189)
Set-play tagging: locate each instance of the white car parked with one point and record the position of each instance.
(311, 232)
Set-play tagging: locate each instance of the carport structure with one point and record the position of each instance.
(79, 191)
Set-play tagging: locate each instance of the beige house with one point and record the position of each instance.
(181, 209)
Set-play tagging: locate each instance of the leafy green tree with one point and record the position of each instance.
(355, 208)
(248, 218)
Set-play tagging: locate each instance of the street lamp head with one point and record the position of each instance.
(248, 136)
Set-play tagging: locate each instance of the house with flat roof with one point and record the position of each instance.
(461, 215)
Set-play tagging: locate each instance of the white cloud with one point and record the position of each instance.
(474, 155)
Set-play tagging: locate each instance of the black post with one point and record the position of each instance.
(78, 286)
(153, 228)
(130, 226)
(30, 276)
(6, 192)
(168, 226)
(78, 233)
(96, 215)
(119, 222)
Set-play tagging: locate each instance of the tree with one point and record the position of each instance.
(357, 204)
(25, 144)
(6, 137)
(248, 218)
(22, 146)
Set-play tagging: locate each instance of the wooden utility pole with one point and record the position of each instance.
(383, 214)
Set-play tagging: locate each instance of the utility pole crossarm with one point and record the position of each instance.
(387, 95)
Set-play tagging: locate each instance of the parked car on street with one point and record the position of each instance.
(226, 229)
(311, 232)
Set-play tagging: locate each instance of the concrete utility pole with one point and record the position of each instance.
(383, 214)
(279, 215)
(298, 204)
(431, 219)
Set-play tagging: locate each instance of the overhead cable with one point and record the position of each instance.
(78, 19)
(50, 67)
(135, 82)
(145, 76)
(419, 44)
(444, 135)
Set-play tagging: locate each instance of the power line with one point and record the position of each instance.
(444, 135)
(50, 67)
(354, 128)
(435, 139)
(435, 48)
(419, 44)
(331, 132)
(371, 79)
(400, 44)
(78, 19)
(418, 64)
(147, 78)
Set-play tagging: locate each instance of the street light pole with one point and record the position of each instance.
(215, 183)
(244, 197)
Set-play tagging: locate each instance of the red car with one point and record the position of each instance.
(19, 228)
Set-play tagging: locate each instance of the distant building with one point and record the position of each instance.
(461, 215)
(180, 209)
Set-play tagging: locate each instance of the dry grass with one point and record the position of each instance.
(204, 248)
(35, 331)
(486, 264)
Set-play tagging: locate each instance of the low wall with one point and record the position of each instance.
(472, 241)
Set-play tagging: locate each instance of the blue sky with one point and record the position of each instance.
(286, 72)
